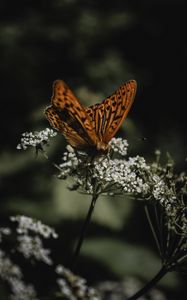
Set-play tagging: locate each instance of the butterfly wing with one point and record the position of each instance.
(68, 116)
(73, 138)
(107, 117)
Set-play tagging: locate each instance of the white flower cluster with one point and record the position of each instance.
(121, 175)
(107, 175)
(35, 139)
(116, 173)
(22, 291)
(118, 145)
(32, 245)
(11, 273)
(26, 224)
(70, 163)
(74, 287)
(165, 195)
(164, 191)
(29, 243)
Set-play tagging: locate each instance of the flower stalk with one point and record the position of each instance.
(162, 272)
(84, 228)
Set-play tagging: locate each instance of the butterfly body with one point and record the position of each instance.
(89, 128)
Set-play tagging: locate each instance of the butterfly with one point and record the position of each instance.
(89, 128)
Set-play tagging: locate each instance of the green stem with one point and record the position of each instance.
(163, 271)
(84, 228)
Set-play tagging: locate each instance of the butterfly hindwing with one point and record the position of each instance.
(71, 135)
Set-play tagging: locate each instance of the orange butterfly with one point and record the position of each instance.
(89, 128)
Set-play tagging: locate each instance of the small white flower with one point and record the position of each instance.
(59, 269)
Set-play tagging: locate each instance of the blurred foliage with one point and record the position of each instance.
(94, 46)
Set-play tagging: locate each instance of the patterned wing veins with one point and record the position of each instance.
(108, 116)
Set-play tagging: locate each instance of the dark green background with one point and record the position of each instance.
(94, 46)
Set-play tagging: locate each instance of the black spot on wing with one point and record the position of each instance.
(83, 119)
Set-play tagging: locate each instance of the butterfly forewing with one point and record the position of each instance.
(108, 116)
